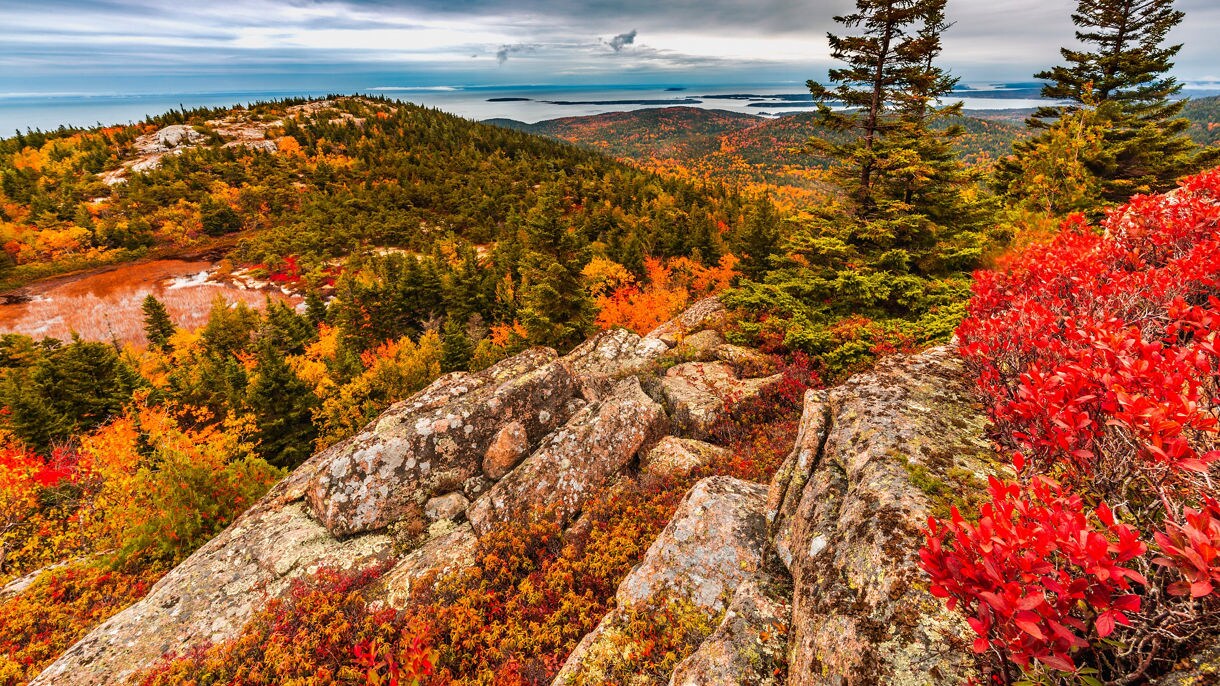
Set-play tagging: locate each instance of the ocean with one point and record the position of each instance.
(528, 103)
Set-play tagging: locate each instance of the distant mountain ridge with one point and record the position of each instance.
(757, 149)
(739, 147)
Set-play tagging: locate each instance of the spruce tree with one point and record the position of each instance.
(897, 245)
(315, 308)
(906, 187)
(283, 406)
(556, 310)
(758, 240)
(158, 327)
(456, 348)
(1122, 71)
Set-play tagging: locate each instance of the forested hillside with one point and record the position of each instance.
(544, 310)
(319, 181)
(770, 153)
(1204, 116)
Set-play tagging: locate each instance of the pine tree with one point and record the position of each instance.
(907, 187)
(556, 310)
(315, 308)
(158, 327)
(75, 387)
(456, 349)
(758, 240)
(1123, 73)
(876, 77)
(283, 407)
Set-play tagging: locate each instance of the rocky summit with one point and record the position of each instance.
(815, 569)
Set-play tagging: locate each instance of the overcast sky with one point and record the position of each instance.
(149, 45)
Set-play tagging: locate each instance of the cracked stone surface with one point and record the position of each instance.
(214, 592)
(847, 520)
(446, 553)
(614, 353)
(701, 315)
(572, 464)
(747, 648)
(434, 441)
(677, 457)
(715, 542)
(698, 393)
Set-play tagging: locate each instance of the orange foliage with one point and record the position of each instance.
(670, 286)
(38, 625)
(289, 146)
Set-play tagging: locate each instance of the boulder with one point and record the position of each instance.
(448, 506)
(572, 464)
(450, 552)
(701, 346)
(747, 361)
(168, 138)
(675, 457)
(614, 353)
(435, 440)
(697, 393)
(873, 458)
(747, 648)
(701, 315)
(214, 592)
(715, 542)
(509, 446)
(794, 472)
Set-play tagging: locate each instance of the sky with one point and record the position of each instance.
(92, 46)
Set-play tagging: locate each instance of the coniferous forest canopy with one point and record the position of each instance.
(420, 243)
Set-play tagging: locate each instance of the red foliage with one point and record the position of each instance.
(1097, 354)
(46, 473)
(322, 632)
(1020, 574)
(1193, 549)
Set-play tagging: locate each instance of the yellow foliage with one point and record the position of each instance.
(603, 276)
(314, 366)
(28, 158)
(393, 371)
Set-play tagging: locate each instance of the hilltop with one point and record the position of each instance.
(314, 180)
(742, 148)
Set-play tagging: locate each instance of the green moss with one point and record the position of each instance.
(955, 487)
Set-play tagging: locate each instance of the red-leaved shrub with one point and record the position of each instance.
(1097, 356)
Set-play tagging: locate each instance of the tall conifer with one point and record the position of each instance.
(158, 327)
(1121, 70)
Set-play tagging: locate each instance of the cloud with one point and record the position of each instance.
(49, 43)
(623, 39)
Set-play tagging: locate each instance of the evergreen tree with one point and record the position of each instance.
(218, 219)
(287, 331)
(898, 246)
(555, 310)
(906, 186)
(456, 349)
(758, 240)
(158, 327)
(76, 387)
(283, 407)
(315, 308)
(1122, 71)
